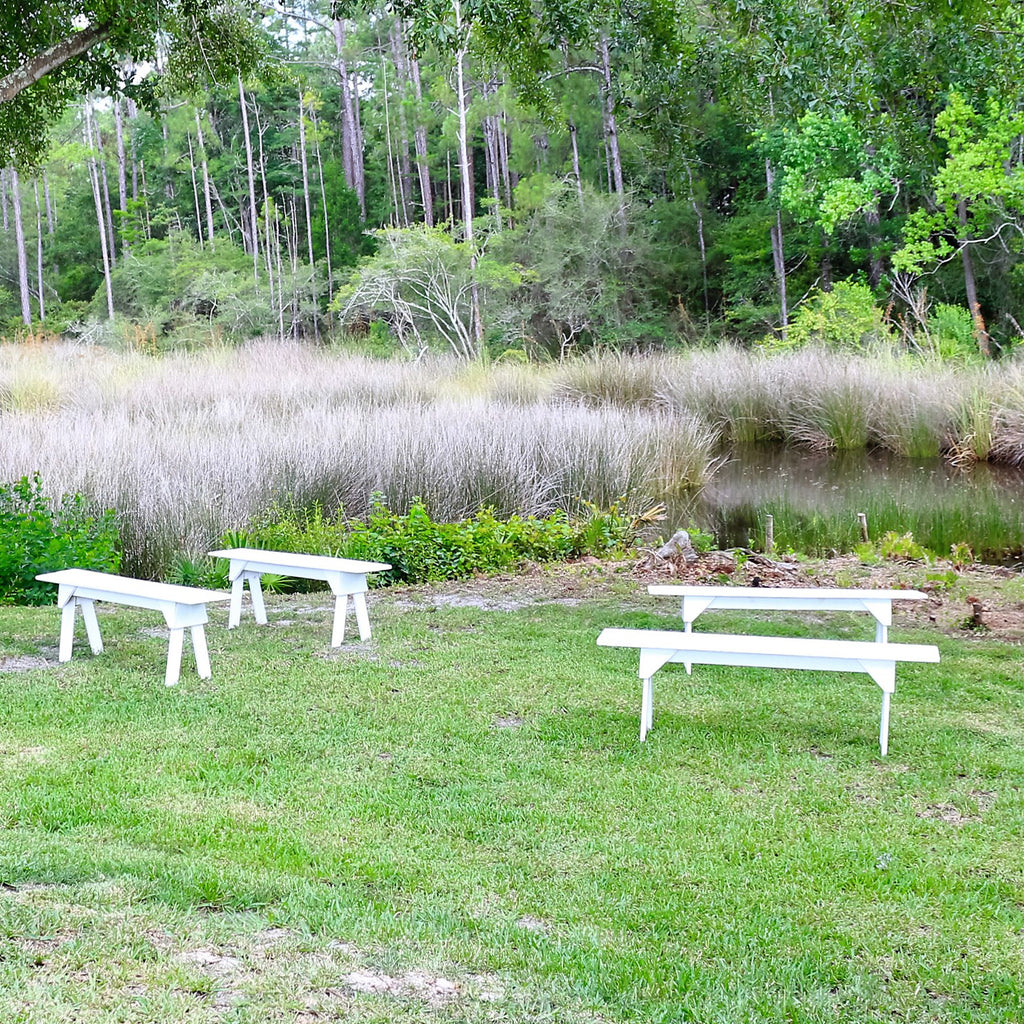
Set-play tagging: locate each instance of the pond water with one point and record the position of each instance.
(814, 500)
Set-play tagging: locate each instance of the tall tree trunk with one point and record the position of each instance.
(122, 174)
(611, 129)
(207, 197)
(51, 213)
(107, 206)
(133, 113)
(145, 199)
(195, 189)
(19, 238)
(3, 197)
(422, 164)
(309, 216)
(449, 192)
(270, 210)
(397, 205)
(323, 200)
(702, 246)
(466, 171)
(981, 335)
(778, 253)
(401, 60)
(492, 156)
(230, 222)
(94, 179)
(576, 160)
(352, 133)
(503, 158)
(254, 230)
(39, 249)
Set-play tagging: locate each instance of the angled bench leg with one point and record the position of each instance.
(255, 594)
(646, 708)
(92, 627)
(67, 631)
(883, 730)
(68, 603)
(359, 603)
(883, 673)
(340, 614)
(179, 618)
(201, 652)
(174, 656)
(235, 611)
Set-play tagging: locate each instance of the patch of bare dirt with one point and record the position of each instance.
(24, 663)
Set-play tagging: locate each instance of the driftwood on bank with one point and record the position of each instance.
(678, 558)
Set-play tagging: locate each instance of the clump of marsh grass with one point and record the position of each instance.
(829, 404)
(736, 391)
(911, 414)
(615, 378)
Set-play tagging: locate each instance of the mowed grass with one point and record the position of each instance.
(455, 821)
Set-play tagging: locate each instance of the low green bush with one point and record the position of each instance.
(421, 549)
(41, 535)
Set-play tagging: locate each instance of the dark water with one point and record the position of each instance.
(815, 498)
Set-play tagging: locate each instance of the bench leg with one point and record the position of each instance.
(340, 613)
(201, 652)
(67, 631)
(646, 708)
(174, 656)
(92, 627)
(883, 732)
(235, 612)
(359, 603)
(256, 594)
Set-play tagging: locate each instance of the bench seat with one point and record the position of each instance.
(182, 608)
(695, 600)
(659, 647)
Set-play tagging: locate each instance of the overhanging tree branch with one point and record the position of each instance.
(50, 59)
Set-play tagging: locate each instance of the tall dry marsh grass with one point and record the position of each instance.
(189, 446)
(185, 447)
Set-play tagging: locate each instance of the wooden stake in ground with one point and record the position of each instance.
(863, 520)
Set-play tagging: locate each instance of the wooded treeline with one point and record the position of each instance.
(670, 172)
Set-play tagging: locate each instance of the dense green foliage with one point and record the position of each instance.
(41, 535)
(421, 549)
(637, 176)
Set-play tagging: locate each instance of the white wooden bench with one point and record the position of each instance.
(658, 647)
(346, 577)
(695, 600)
(182, 607)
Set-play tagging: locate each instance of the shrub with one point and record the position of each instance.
(421, 549)
(845, 317)
(952, 333)
(42, 536)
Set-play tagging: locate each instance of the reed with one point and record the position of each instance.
(187, 447)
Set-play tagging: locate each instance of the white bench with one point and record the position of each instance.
(346, 577)
(695, 600)
(658, 647)
(182, 607)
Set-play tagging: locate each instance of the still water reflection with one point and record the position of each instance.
(982, 506)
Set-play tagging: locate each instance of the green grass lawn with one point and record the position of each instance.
(456, 822)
